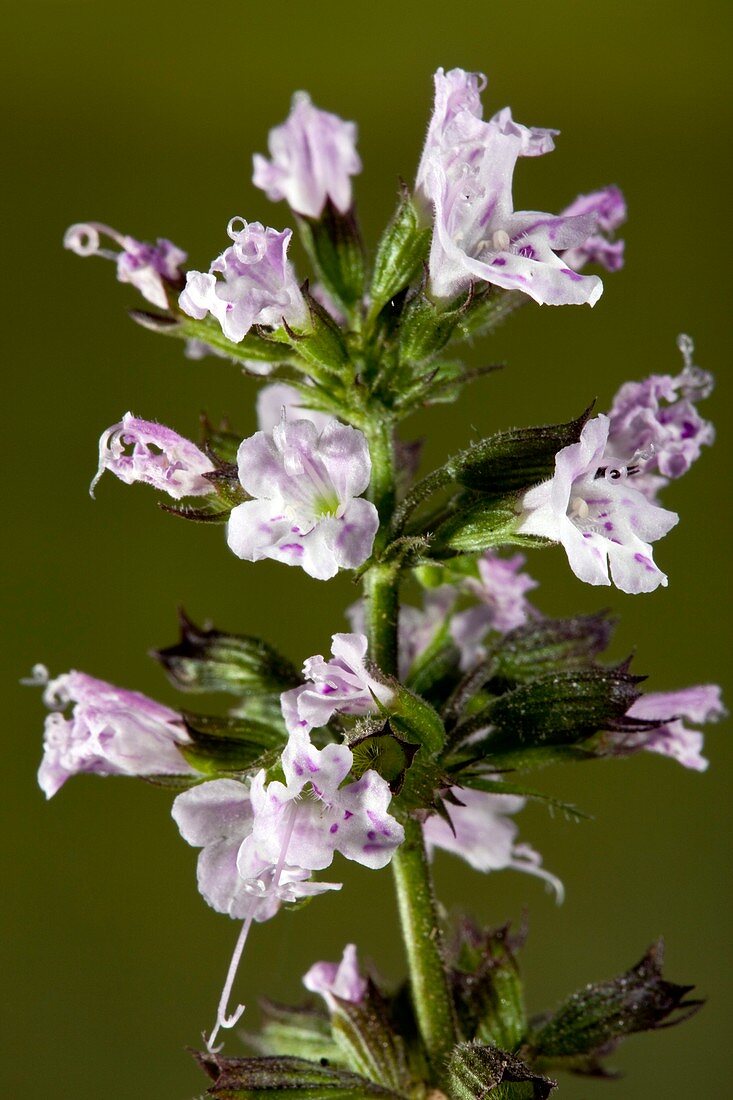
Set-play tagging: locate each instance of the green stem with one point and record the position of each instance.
(421, 930)
(421, 933)
(380, 434)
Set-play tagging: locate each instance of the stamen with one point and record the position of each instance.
(687, 346)
(224, 1020)
(236, 226)
(578, 508)
(500, 240)
(84, 239)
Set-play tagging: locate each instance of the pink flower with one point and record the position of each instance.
(698, 704)
(257, 284)
(339, 686)
(140, 450)
(110, 731)
(602, 521)
(609, 208)
(313, 158)
(466, 176)
(485, 837)
(153, 269)
(342, 980)
(502, 605)
(306, 508)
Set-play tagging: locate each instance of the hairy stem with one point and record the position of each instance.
(422, 935)
(413, 879)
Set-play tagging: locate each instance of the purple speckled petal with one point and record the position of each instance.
(341, 685)
(602, 521)
(656, 426)
(465, 176)
(317, 816)
(140, 450)
(698, 704)
(110, 731)
(217, 810)
(251, 282)
(307, 476)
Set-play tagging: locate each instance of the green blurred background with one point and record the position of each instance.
(145, 116)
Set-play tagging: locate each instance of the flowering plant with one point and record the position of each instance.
(417, 731)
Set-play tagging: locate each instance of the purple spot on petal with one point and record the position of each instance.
(573, 275)
(334, 828)
(498, 262)
(527, 251)
(371, 835)
(292, 548)
(347, 815)
(608, 526)
(297, 769)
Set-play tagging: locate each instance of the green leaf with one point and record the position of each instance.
(487, 987)
(334, 245)
(479, 524)
(479, 1072)
(435, 671)
(425, 328)
(219, 440)
(322, 346)
(553, 712)
(414, 718)
(214, 513)
(206, 659)
(479, 782)
(513, 461)
(255, 344)
(368, 1041)
(488, 310)
(297, 1032)
(400, 253)
(230, 744)
(550, 645)
(268, 1078)
(594, 1020)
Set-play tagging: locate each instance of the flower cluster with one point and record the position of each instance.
(414, 734)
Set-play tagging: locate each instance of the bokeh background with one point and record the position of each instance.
(145, 115)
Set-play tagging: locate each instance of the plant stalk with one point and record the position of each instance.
(421, 930)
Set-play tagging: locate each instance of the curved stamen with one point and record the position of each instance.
(223, 1018)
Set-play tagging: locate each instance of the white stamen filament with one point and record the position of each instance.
(223, 1019)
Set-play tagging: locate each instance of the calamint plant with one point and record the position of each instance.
(417, 730)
